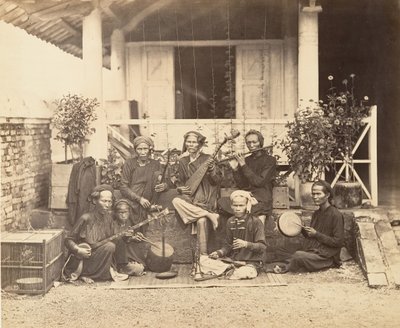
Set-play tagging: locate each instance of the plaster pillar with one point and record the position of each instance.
(93, 75)
(308, 73)
(118, 73)
(118, 64)
(290, 35)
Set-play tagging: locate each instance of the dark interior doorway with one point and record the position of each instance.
(204, 82)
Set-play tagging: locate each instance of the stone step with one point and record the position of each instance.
(369, 255)
(390, 249)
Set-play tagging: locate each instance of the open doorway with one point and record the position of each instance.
(204, 82)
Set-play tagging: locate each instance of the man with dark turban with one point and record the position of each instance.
(140, 178)
(93, 257)
(256, 174)
(201, 205)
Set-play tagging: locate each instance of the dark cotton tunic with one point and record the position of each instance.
(92, 228)
(253, 233)
(127, 249)
(137, 182)
(257, 176)
(328, 241)
(208, 190)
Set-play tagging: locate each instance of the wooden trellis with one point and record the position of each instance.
(369, 134)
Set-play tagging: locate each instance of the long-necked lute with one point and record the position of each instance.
(194, 181)
(130, 229)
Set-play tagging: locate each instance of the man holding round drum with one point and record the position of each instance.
(323, 238)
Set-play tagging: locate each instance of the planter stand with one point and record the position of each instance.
(347, 194)
(306, 201)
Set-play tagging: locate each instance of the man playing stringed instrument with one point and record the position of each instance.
(92, 258)
(201, 204)
(130, 253)
(245, 238)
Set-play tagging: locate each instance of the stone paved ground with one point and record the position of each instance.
(333, 298)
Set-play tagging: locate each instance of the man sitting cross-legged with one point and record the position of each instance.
(323, 238)
(131, 250)
(245, 238)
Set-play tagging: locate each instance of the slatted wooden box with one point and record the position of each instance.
(31, 260)
(280, 197)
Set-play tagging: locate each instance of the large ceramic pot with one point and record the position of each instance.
(347, 194)
(306, 201)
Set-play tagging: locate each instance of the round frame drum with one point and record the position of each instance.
(289, 224)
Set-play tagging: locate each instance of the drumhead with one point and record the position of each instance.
(157, 249)
(289, 224)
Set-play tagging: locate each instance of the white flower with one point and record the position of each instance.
(366, 98)
(330, 77)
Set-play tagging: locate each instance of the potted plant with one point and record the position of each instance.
(111, 169)
(309, 146)
(346, 115)
(72, 119)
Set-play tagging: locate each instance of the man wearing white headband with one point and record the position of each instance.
(245, 239)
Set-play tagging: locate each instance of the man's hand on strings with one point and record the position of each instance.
(211, 164)
(160, 187)
(239, 243)
(144, 202)
(138, 237)
(184, 190)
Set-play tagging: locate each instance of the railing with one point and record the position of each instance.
(168, 133)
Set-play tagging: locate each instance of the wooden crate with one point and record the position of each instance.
(31, 260)
(60, 174)
(280, 197)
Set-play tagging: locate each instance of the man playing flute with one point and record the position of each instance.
(255, 174)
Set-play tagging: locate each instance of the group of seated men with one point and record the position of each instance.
(96, 254)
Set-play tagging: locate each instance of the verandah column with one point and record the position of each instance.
(308, 70)
(120, 109)
(118, 64)
(308, 73)
(93, 75)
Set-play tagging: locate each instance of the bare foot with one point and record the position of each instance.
(87, 280)
(214, 220)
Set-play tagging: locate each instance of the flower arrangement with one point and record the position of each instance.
(309, 143)
(323, 132)
(346, 115)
